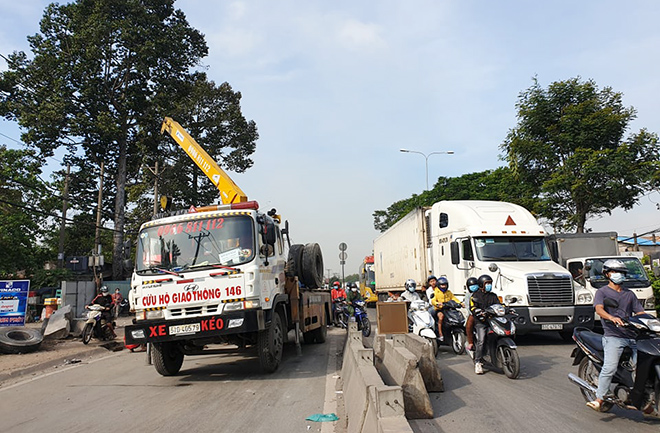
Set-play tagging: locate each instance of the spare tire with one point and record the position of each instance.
(312, 266)
(294, 261)
(17, 339)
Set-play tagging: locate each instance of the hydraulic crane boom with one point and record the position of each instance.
(229, 191)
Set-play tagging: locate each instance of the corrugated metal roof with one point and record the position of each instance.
(640, 241)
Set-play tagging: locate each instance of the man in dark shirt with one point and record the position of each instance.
(104, 299)
(616, 338)
(479, 301)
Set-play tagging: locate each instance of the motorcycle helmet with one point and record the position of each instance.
(104, 289)
(431, 277)
(483, 280)
(472, 284)
(411, 285)
(442, 281)
(336, 284)
(614, 265)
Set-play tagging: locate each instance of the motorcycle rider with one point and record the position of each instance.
(615, 337)
(441, 295)
(337, 293)
(472, 285)
(410, 294)
(352, 296)
(479, 301)
(104, 299)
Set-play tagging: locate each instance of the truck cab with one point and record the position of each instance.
(503, 240)
(588, 273)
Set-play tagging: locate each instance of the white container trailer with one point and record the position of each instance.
(402, 252)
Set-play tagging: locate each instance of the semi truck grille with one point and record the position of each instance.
(550, 291)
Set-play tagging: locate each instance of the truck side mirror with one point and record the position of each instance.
(268, 235)
(455, 253)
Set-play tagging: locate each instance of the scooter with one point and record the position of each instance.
(453, 326)
(124, 307)
(360, 316)
(638, 390)
(95, 325)
(421, 322)
(500, 351)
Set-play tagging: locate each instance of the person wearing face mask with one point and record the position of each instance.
(441, 295)
(104, 299)
(472, 285)
(479, 301)
(615, 337)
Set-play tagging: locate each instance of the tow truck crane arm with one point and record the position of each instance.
(229, 191)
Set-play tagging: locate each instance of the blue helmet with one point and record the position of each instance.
(442, 281)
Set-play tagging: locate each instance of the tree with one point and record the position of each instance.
(103, 76)
(569, 149)
(23, 211)
(497, 185)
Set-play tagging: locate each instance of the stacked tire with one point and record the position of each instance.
(306, 263)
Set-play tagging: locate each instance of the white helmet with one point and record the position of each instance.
(614, 265)
(411, 285)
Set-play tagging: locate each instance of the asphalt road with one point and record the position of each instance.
(540, 400)
(212, 393)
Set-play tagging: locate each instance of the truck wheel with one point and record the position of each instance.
(167, 358)
(312, 266)
(87, 333)
(16, 339)
(294, 261)
(270, 344)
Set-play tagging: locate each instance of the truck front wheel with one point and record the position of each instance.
(167, 358)
(270, 344)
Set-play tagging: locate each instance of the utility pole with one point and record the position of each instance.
(65, 202)
(156, 178)
(97, 239)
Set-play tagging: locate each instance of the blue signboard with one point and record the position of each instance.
(13, 302)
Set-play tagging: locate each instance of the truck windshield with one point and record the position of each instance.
(635, 278)
(511, 248)
(204, 242)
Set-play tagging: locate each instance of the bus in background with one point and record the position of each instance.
(368, 280)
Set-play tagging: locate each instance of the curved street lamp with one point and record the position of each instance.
(426, 158)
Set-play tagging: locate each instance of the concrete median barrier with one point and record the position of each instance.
(428, 366)
(399, 366)
(371, 406)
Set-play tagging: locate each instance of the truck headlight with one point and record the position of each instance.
(155, 314)
(649, 304)
(585, 298)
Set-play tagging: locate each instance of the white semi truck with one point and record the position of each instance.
(462, 239)
(223, 274)
(583, 254)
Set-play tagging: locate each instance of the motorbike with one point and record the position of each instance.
(340, 317)
(95, 325)
(500, 351)
(453, 327)
(638, 390)
(360, 316)
(421, 322)
(124, 307)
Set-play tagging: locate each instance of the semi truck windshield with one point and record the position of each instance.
(511, 248)
(227, 241)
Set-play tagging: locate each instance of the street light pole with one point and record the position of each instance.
(426, 159)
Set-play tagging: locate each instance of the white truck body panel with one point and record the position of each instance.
(401, 253)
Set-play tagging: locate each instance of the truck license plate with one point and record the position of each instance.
(552, 327)
(188, 328)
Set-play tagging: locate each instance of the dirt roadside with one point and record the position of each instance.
(55, 354)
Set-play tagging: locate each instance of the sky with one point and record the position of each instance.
(336, 88)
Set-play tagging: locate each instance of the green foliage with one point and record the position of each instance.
(498, 185)
(102, 77)
(655, 282)
(23, 211)
(569, 149)
(49, 278)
